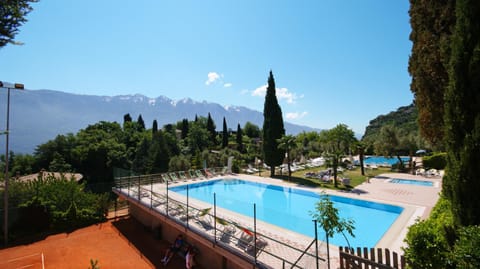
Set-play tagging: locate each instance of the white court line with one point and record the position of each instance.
(23, 257)
(26, 266)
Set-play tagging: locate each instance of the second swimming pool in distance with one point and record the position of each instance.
(290, 208)
(412, 182)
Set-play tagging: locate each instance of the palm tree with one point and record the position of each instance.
(287, 143)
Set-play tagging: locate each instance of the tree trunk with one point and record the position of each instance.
(400, 165)
(361, 163)
(335, 166)
(272, 171)
(289, 171)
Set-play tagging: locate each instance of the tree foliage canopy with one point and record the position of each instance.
(432, 25)
(336, 143)
(272, 128)
(13, 14)
(462, 116)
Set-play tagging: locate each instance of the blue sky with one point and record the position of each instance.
(333, 61)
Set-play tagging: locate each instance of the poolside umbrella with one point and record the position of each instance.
(420, 151)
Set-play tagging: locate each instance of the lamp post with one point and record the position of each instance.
(8, 86)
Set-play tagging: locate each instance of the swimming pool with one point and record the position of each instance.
(383, 161)
(412, 182)
(289, 208)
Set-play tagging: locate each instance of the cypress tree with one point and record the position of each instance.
(462, 116)
(154, 126)
(184, 128)
(432, 24)
(272, 128)
(239, 139)
(211, 128)
(224, 134)
(141, 123)
(127, 118)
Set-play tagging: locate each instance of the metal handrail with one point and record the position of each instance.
(135, 188)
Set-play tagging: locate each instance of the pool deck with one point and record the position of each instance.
(416, 200)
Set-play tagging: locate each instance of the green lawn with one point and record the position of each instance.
(354, 175)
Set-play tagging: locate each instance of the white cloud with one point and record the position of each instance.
(296, 115)
(260, 91)
(227, 85)
(281, 93)
(212, 77)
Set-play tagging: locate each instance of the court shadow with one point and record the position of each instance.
(146, 242)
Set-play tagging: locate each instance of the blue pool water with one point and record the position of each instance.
(412, 182)
(381, 160)
(289, 208)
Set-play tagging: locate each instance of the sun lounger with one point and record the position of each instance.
(199, 174)
(209, 172)
(251, 248)
(255, 170)
(158, 199)
(182, 176)
(174, 177)
(245, 239)
(165, 178)
(227, 231)
(192, 174)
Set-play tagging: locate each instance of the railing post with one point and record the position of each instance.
(215, 216)
(187, 204)
(316, 243)
(116, 206)
(128, 192)
(255, 232)
(139, 190)
(151, 192)
(166, 209)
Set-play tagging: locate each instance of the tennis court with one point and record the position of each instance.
(120, 244)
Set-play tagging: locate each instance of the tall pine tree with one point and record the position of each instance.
(239, 139)
(154, 126)
(432, 25)
(211, 128)
(127, 118)
(272, 128)
(140, 123)
(462, 116)
(184, 128)
(224, 134)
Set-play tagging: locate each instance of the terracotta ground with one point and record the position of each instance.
(115, 244)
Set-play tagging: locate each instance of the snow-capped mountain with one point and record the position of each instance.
(37, 116)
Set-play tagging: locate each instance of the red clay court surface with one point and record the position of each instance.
(115, 244)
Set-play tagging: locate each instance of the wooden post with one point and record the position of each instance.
(387, 257)
(379, 252)
(395, 260)
(341, 258)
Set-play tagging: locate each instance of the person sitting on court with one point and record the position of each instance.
(174, 248)
(189, 262)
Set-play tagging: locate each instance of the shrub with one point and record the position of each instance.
(428, 247)
(437, 161)
(466, 253)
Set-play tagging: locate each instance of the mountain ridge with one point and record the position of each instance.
(37, 116)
